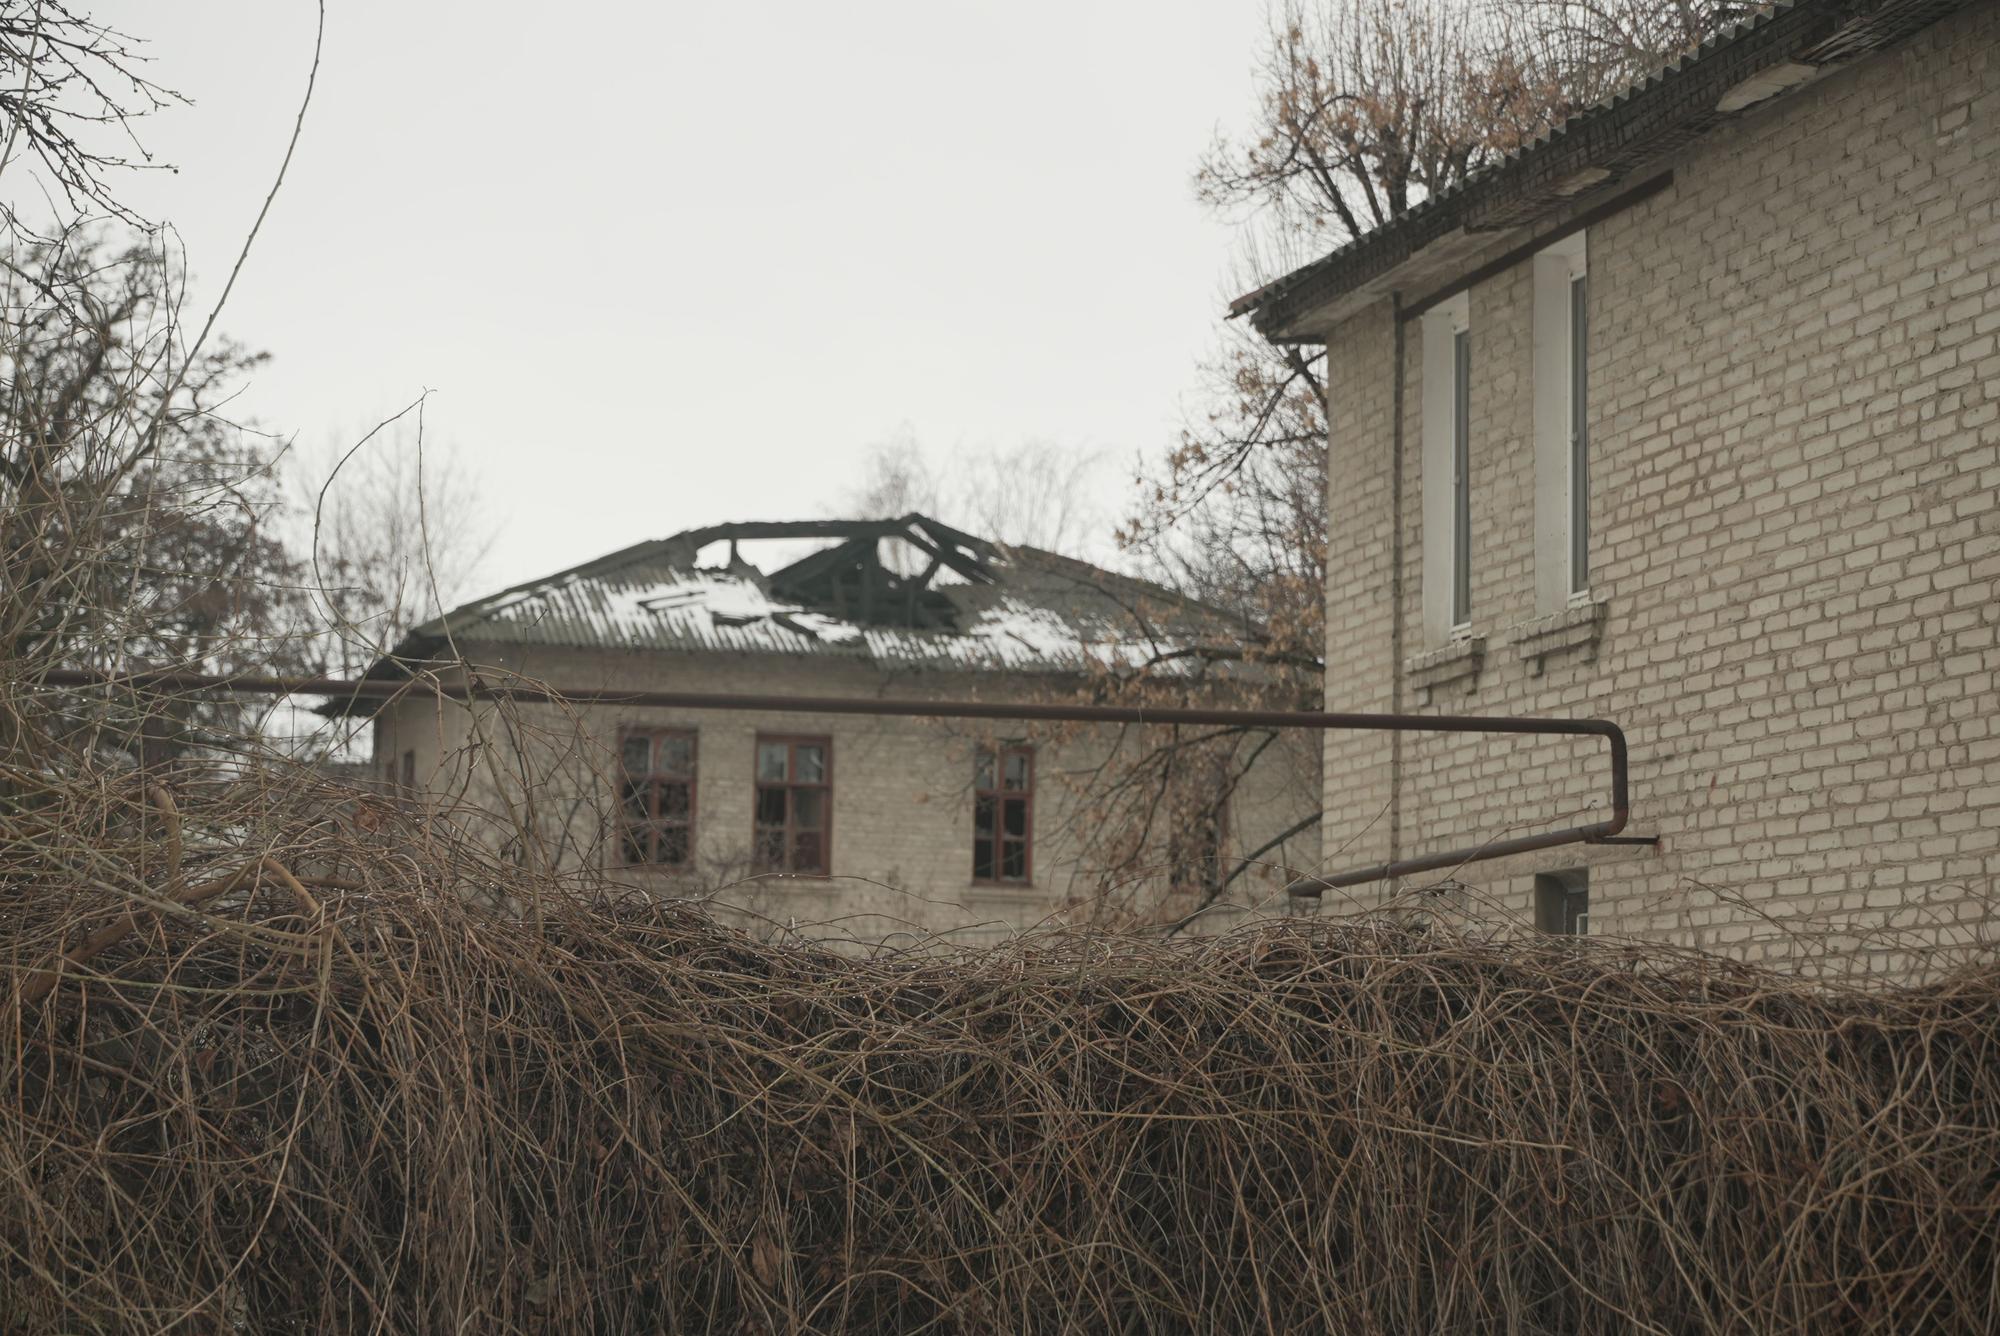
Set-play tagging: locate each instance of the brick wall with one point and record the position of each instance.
(902, 801)
(1795, 421)
(1362, 636)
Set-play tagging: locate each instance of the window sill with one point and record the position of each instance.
(1448, 665)
(1574, 630)
(996, 889)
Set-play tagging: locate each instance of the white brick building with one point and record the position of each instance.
(845, 825)
(1688, 417)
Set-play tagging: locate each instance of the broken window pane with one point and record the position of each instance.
(806, 852)
(636, 796)
(769, 852)
(1000, 814)
(674, 800)
(674, 846)
(771, 761)
(635, 850)
(811, 761)
(658, 788)
(676, 755)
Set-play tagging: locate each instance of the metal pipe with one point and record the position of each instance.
(371, 688)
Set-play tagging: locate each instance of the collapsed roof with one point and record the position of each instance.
(902, 593)
(1594, 159)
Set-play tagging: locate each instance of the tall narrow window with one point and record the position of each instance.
(657, 798)
(1446, 465)
(1579, 434)
(794, 805)
(1003, 814)
(1562, 425)
(1461, 478)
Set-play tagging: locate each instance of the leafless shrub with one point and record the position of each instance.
(286, 1058)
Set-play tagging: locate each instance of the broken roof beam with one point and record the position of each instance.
(822, 564)
(686, 547)
(748, 529)
(946, 536)
(971, 568)
(961, 551)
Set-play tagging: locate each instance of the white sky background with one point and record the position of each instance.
(673, 264)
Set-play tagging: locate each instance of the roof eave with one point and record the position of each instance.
(1594, 154)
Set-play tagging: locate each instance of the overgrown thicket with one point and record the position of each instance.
(286, 1057)
(309, 1065)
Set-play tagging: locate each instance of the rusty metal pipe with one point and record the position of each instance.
(369, 688)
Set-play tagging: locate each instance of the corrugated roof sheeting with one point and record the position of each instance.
(1639, 126)
(1043, 613)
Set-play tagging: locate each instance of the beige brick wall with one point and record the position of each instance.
(1795, 420)
(902, 802)
(1361, 629)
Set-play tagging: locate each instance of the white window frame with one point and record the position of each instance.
(1562, 441)
(1447, 556)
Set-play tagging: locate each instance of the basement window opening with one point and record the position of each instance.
(1562, 902)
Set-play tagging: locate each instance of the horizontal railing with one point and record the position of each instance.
(378, 689)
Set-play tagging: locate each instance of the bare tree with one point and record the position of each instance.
(1036, 494)
(1369, 106)
(134, 517)
(1594, 48)
(898, 479)
(70, 88)
(399, 534)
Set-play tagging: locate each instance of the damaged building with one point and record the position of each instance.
(847, 825)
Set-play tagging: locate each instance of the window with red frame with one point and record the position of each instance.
(657, 797)
(794, 805)
(1003, 814)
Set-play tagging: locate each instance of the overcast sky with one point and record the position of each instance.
(671, 264)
